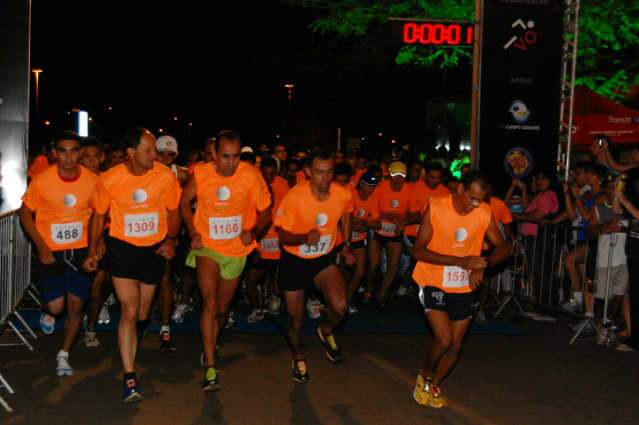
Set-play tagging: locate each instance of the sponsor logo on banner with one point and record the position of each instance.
(523, 81)
(520, 113)
(518, 163)
(524, 36)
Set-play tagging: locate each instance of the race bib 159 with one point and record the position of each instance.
(455, 277)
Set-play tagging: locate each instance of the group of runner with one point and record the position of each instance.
(321, 231)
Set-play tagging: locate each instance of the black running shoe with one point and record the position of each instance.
(131, 392)
(333, 352)
(211, 382)
(167, 345)
(300, 373)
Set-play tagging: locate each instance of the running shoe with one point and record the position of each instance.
(131, 391)
(91, 340)
(300, 373)
(180, 312)
(166, 342)
(104, 317)
(47, 323)
(63, 368)
(333, 352)
(313, 309)
(436, 399)
(421, 396)
(231, 322)
(352, 309)
(573, 306)
(275, 304)
(111, 301)
(255, 316)
(211, 383)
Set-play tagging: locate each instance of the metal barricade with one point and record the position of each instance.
(15, 280)
(537, 275)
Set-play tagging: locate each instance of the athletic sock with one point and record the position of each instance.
(63, 353)
(166, 329)
(579, 297)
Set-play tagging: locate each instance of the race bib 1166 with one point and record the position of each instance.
(222, 228)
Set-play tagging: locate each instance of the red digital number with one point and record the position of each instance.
(436, 33)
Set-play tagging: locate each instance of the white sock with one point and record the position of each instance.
(578, 296)
(63, 353)
(166, 329)
(589, 314)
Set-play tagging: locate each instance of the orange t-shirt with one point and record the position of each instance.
(363, 210)
(269, 245)
(226, 206)
(139, 204)
(300, 177)
(455, 235)
(63, 208)
(356, 176)
(39, 164)
(300, 212)
(500, 210)
(389, 201)
(423, 195)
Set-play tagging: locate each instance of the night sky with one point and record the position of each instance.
(223, 65)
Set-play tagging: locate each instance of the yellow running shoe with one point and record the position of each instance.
(421, 396)
(436, 399)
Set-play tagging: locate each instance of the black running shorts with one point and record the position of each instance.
(297, 274)
(134, 262)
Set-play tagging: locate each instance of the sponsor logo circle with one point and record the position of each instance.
(70, 200)
(140, 196)
(361, 212)
(394, 203)
(321, 219)
(461, 234)
(519, 111)
(223, 193)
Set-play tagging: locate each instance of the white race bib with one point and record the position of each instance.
(270, 245)
(320, 248)
(222, 228)
(388, 228)
(141, 225)
(355, 236)
(66, 232)
(455, 277)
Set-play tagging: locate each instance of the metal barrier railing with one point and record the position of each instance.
(537, 274)
(15, 281)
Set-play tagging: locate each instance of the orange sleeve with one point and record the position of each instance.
(173, 193)
(261, 196)
(350, 205)
(100, 199)
(504, 215)
(32, 197)
(285, 217)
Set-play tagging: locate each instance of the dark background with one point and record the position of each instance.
(223, 66)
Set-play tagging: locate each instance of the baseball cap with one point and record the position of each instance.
(397, 168)
(166, 144)
(369, 179)
(246, 149)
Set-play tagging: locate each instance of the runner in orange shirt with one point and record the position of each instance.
(144, 228)
(92, 158)
(308, 220)
(449, 267)
(424, 190)
(503, 218)
(264, 260)
(365, 216)
(64, 199)
(228, 192)
(398, 207)
(42, 161)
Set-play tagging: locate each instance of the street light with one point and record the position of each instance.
(36, 72)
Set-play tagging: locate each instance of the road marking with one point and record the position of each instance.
(472, 416)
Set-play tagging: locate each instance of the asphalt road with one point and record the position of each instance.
(535, 378)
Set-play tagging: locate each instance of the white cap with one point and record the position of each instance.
(246, 149)
(166, 144)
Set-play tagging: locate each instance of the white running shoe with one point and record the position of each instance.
(275, 304)
(91, 340)
(47, 323)
(313, 308)
(572, 306)
(63, 367)
(180, 312)
(104, 317)
(111, 301)
(231, 322)
(255, 316)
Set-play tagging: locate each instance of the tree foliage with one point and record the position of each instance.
(608, 37)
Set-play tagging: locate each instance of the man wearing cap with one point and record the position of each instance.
(365, 216)
(397, 206)
(167, 152)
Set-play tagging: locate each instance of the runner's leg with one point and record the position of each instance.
(208, 276)
(128, 293)
(295, 308)
(393, 252)
(74, 321)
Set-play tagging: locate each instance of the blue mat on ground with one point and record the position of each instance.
(404, 319)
